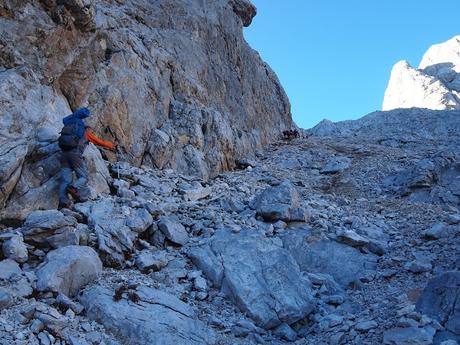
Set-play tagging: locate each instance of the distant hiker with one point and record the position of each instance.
(73, 140)
(291, 134)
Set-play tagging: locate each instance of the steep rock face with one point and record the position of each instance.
(434, 85)
(174, 82)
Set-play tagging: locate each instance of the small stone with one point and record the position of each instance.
(201, 296)
(365, 326)
(453, 219)
(418, 266)
(37, 326)
(6, 298)
(389, 273)
(351, 238)
(86, 326)
(65, 301)
(285, 332)
(334, 299)
(449, 342)
(15, 249)
(44, 340)
(436, 232)
(173, 230)
(9, 269)
(151, 260)
(407, 336)
(336, 165)
(279, 225)
(406, 322)
(70, 314)
(200, 284)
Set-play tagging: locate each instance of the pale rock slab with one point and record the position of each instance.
(68, 269)
(158, 318)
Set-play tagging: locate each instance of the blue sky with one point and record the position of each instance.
(334, 57)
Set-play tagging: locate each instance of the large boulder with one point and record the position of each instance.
(156, 318)
(156, 75)
(344, 263)
(68, 269)
(441, 300)
(259, 275)
(50, 228)
(280, 202)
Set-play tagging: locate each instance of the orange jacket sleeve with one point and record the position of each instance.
(91, 137)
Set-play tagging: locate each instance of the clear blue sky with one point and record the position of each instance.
(334, 57)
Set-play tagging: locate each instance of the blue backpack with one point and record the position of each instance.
(73, 131)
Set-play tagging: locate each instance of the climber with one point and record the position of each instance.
(75, 135)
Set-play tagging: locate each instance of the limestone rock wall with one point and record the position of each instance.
(434, 85)
(174, 82)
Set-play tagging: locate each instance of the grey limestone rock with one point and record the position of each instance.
(436, 232)
(173, 230)
(344, 263)
(6, 298)
(113, 225)
(148, 259)
(408, 336)
(139, 220)
(336, 165)
(191, 109)
(365, 326)
(68, 269)
(157, 318)
(14, 281)
(260, 277)
(9, 269)
(50, 228)
(99, 176)
(351, 238)
(15, 249)
(285, 332)
(440, 300)
(204, 258)
(280, 202)
(418, 266)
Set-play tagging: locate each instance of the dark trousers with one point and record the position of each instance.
(73, 161)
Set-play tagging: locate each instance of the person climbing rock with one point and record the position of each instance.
(75, 135)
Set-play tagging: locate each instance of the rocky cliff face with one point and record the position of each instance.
(174, 82)
(434, 85)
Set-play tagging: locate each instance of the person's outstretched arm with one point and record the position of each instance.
(91, 137)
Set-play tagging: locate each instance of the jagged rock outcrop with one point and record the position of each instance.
(435, 84)
(174, 82)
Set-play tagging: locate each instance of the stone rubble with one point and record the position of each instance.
(276, 252)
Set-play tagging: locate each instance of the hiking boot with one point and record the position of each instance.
(65, 205)
(74, 192)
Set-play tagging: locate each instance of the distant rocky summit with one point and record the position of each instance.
(174, 82)
(435, 84)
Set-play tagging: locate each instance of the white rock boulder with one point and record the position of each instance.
(68, 269)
